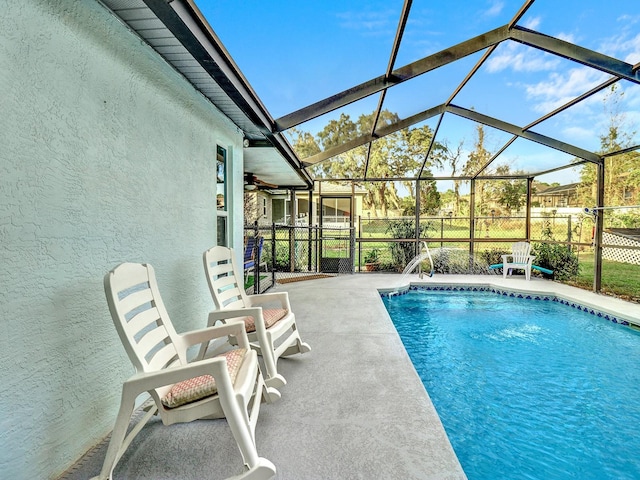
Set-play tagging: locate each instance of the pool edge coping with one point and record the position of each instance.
(514, 292)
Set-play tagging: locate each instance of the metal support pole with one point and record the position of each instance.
(472, 217)
(311, 216)
(528, 224)
(256, 259)
(599, 220)
(273, 254)
(360, 243)
(310, 228)
(352, 226)
(292, 223)
(352, 250)
(417, 236)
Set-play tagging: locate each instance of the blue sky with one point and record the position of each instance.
(296, 53)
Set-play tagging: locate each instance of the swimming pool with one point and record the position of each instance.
(526, 388)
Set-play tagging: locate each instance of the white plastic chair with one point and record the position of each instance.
(520, 259)
(269, 322)
(182, 391)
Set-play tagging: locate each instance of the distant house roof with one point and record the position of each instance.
(335, 188)
(327, 188)
(560, 189)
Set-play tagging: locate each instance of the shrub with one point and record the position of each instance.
(492, 256)
(559, 258)
(457, 261)
(403, 252)
(373, 256)
(281, 263)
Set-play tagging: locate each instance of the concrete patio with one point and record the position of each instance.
(353, 408)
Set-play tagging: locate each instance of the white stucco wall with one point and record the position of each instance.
(107, 155)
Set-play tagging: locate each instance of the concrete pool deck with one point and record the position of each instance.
(353, 408)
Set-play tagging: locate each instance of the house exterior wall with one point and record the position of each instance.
(108, 155)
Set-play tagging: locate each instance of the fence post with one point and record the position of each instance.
(316, 248)
(416, 249)
(472, 219)
(273, 254)
(352, 248)
(599, 220)
(292, 259)
(309, 246)
(527, 225)
(360, 243)
(256, 259)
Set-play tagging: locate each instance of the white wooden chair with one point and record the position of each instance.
(520, 259)
(228, 385)
(268, 319)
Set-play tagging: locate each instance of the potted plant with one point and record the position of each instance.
(372, 260)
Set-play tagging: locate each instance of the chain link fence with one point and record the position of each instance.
(295, 253)
(564, 239)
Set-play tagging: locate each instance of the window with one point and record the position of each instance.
(264, 207)
(221, 196)
(280, 210)
(336, 210)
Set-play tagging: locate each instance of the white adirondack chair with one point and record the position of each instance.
(268, 319)
(228, 385)
(520, 259)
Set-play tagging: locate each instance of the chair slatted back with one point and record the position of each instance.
(225, 281)
(249, 251)
(259, 249)
(140, 317)
(520, 252)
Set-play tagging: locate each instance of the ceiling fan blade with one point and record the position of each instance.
(251, 179)
(257, 181)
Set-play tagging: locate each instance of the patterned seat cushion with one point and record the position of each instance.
(270, 315)
(203, 386)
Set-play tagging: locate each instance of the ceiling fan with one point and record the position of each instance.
(251, 182)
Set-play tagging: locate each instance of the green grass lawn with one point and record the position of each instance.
(250, 279)
(618, 279)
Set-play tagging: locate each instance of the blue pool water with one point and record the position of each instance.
(526, 389)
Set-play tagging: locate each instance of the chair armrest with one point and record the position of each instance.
(531, 258)
(505, 258)
(204, 335)
(262, 298)
(233, 313)
(145, 381)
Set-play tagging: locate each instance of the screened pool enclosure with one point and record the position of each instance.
(509, 127)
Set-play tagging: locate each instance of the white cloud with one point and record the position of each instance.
(559, 88)
(520, 59)
(628, 19)
(567, 37)
(494, 9)
(369, 22)
(633, 47)
(532, 23)
(579, 133)
(624, 45)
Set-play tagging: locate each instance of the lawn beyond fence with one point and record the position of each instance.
(618, 279)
